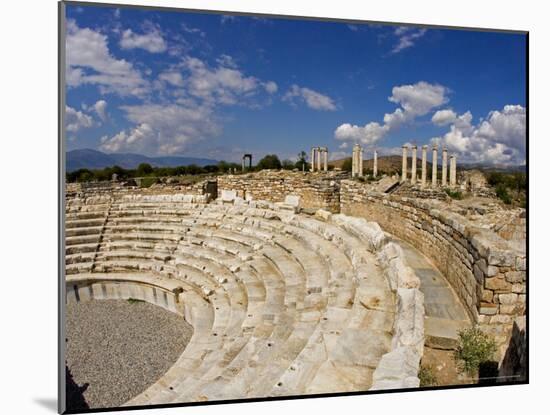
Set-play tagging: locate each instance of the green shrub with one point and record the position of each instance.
(134, 301)
(148, 181)
(427, 376)
(502, 193)
(454, 194)
(474, 349)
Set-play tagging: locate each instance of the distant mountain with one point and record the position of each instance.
(495, 167)
(93, 159)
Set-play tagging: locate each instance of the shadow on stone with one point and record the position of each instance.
(75, 393)
(488, 373)
(514, 363)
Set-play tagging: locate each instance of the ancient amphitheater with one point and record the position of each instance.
(298, 283)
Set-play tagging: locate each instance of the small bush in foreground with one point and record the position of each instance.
(427, 376)
(474, 349)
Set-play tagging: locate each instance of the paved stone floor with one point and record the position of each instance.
(445, 315)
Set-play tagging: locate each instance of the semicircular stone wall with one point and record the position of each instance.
(487, 271)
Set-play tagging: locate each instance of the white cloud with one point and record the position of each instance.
(500, 138)
(415, 100)
(220, 85)
(444, 117)
(76, 120)
(227, 61)
(420, 98)
(100, 108)
(152, 41)
(313, 99)
(271, 87)
(163, 129)
(172, 77)
(192, 30)
(369, 134)
(90, 62)
(406, 37)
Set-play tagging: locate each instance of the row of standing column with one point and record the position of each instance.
(452, 167)
(316, 154)
(357, 162)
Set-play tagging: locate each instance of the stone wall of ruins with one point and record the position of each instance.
(319, 190)
(487, 271)
(197, 188)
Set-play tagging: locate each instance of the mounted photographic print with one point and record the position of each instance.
(259, 207)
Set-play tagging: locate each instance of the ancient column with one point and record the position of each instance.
(243, 163)
(325, 159)
(360, 164)
(312, 168)
(424, 156)
(318, 149)
(434, 167)
(452, 179)
(375, 164)
(413, 168)
(355, 161)
(404, 166)
(444, 168)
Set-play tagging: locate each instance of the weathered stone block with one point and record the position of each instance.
(323, 214)
(292, 200)
(521, 264)
(497, 284)
(487, 296)
(507, 298)
(501, 257)
(518, 288)
(488, 309)
(515, 276)
(508, 309)
(500, 319)
(228, 195)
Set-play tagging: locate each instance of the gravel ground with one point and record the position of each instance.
(119, 348)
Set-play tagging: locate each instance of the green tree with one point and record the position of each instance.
(302, 161)
(288, 165)
(271, 161)
(194, 169)
(144, 169)
(347, 165)
(223, 166)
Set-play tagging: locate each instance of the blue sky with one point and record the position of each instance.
(208, 85)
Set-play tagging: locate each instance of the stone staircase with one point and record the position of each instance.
(445, 315)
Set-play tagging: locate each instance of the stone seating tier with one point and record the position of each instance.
(281, 303)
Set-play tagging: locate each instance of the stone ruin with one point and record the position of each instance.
(300, 283)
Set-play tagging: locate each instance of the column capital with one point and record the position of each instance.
(425, 147)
